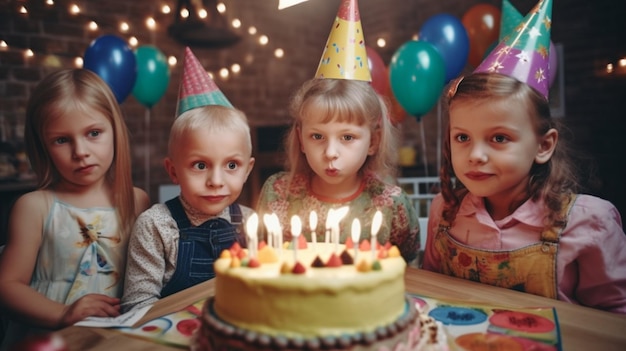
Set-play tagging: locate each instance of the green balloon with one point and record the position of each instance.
(417, 76)
(153, 75)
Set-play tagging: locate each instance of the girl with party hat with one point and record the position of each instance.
(509, 213)
(342, 149)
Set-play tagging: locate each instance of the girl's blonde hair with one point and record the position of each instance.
(554, 181)
(52, 97)
(212, 117)
(346, 101)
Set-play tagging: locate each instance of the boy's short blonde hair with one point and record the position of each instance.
(212, 117)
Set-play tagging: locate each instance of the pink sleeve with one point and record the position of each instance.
(432, 259)
(595, 242)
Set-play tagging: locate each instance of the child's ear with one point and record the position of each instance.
(374, 142)
(170, 169)
(250, 166)
(546, 146)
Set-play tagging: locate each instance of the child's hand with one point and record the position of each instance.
(96, 305)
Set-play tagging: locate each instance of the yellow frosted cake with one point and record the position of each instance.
(315, 298)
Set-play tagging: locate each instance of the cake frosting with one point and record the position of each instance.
(315, 297)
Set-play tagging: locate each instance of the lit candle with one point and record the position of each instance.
(267, 220)
(279, 234)
(339, 214)
(296, 228)
(329, 221)
(251, 231)
(313, 227)
(356, 234)
(376, 223)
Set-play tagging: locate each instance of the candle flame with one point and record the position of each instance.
(377, 222)
(356, 231)
(252, 225)
(340, 213)
(267, 220)
(296, 226)
(276, 225)
(313, 220)
(329, 218)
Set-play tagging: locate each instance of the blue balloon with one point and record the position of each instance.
(112, 59)
(448, 35)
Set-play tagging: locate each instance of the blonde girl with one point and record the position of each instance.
(342, 151)
(66, 250)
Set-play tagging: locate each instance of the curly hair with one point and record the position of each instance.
(553, 182)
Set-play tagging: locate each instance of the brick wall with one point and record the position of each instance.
(591, 33)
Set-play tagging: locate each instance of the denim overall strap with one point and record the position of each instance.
(199, 247)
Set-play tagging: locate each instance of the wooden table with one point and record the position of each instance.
(582, 328)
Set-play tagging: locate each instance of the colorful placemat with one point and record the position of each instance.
(481, 327)
(174, 329)
(469, 326)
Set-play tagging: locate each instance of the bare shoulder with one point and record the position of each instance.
(37, 201)
(142, 201)
(28, 216)
(25, 234)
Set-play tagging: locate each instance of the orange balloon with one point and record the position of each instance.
(397, 114)
(482, 23)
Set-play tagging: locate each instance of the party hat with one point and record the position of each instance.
(345, 56)
(197, 88)
(509, 20)
(524, 53)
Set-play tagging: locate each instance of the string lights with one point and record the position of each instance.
(151, 23)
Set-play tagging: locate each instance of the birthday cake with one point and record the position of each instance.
(319, 296)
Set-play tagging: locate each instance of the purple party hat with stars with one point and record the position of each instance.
(509, 20)
(197, 89)
(524, 53)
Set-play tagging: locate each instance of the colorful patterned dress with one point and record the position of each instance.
(400, 222)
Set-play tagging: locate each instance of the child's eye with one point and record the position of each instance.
(316, 136)
(348, 137)
(462, 138)
(500, 139)
(94, 133)
(60, 140)
(200, 165)
(232, 165)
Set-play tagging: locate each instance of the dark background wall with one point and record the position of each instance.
(591, 34)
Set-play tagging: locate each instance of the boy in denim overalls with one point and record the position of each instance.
(174, 245)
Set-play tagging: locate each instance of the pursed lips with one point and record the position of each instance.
(332, 171)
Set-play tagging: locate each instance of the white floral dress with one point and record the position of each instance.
(82, 251)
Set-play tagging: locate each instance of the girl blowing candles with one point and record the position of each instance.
(515, 219)
(66, 252)
(342, 150)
